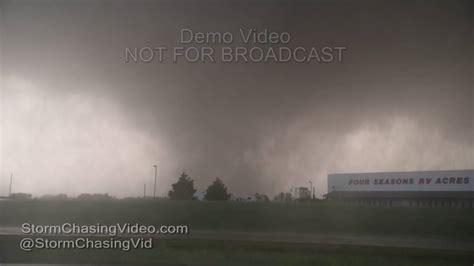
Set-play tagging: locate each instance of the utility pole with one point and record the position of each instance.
(11, 182)
(144, 190)
(311, 189)
(154, 187)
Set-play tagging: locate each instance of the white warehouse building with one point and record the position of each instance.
(452, 188)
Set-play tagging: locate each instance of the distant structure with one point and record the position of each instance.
(300, 193)
(199, 195)
(453, 189)
(243, 197)
(20, 196)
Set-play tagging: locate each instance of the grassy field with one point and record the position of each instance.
(249, 217)
(200, 252)
(261, 217)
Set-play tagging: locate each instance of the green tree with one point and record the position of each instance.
(283, 197)
(279, 197)
(183, 189)
(217, 191)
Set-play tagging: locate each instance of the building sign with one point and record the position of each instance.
(457, 180)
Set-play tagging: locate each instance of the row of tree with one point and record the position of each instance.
(183, 189)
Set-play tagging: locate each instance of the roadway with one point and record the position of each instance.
(304, 238)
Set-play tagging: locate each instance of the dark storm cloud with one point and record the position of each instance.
(401, 99)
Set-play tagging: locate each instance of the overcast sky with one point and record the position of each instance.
(75, 117)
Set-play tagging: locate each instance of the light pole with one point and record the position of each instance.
(154, 187)
(11, 182)
(311, 189)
